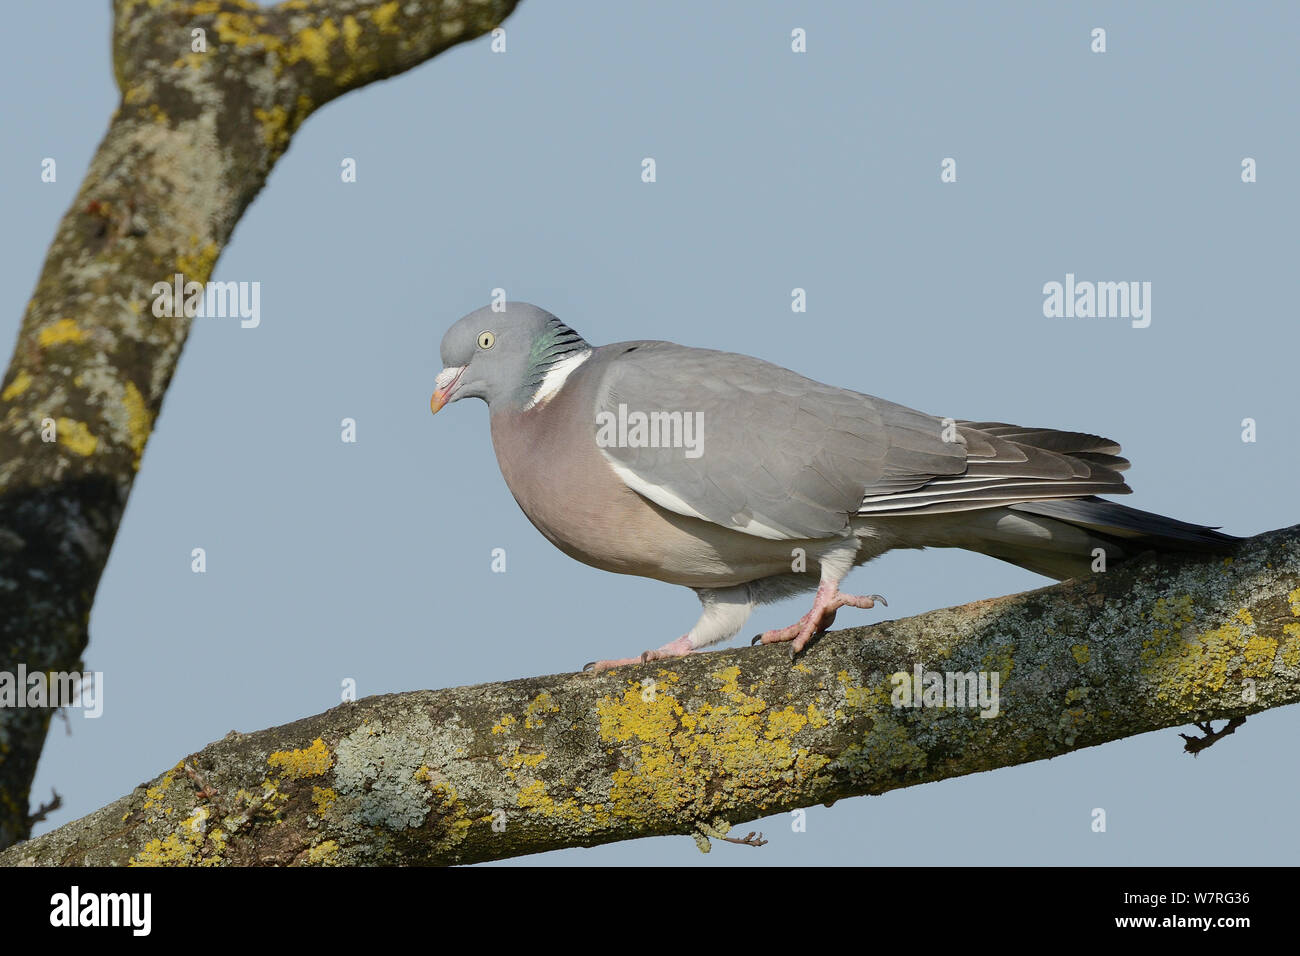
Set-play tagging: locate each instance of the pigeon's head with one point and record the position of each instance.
(503, 356)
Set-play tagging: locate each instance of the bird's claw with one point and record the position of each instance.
(819, 620)
(678, 648)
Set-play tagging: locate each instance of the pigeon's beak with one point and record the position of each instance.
(444, 386)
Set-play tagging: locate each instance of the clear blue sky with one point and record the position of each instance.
(775, 171)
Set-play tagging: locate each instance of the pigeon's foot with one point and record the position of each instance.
(783, 634)
(678, 648)
(820, 618)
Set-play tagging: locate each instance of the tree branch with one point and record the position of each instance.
(191, 143)
(697, 745)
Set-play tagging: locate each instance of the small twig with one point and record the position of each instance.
(1195, 745)
(45, 809)
(749, 840)
(206, 791)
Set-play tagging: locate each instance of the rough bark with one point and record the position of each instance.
(696, 745)
(191, 143)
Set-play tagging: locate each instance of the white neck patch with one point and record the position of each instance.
(554, 379)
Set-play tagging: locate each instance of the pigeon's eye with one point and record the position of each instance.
(486, 340)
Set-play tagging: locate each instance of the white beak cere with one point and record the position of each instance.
(443, 386)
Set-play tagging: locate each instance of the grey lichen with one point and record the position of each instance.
(375, 773)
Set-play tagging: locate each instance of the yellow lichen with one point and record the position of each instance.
(855, 696)
(1001, 659)
(241, 30)
(157, 795)
(816, 719)
(322, 853)
(322, 799)
(730, 678)
(503, 725)
(19, 385)
(887, 746)
(1259, 654)
(76, 436)
(533, 795)
(700, 761)
(540, 705)
(272, 800)
(383, 16)
(275, 127)
(784, 723)
(1291, 645)
(1190, 667)
(199, 266)
(138, 420)
(170, 851)
(1081, 653)
(184, 846)
(296, 764)
(351, 32)
(56, 333)
(313, 45)
(452, 814)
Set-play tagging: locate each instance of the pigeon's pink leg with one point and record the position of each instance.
(678, 648)
(820, 618)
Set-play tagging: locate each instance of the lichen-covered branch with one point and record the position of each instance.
(191, 143)
(696, 745)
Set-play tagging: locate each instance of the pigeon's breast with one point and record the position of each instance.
(553, 467)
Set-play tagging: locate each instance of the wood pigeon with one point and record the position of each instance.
(747, 482)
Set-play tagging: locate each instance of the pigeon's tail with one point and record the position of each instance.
(1060, 537)
(1144, 529)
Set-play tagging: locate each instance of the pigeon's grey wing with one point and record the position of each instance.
(755, 447)
(758, 448)
(1009, 464)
